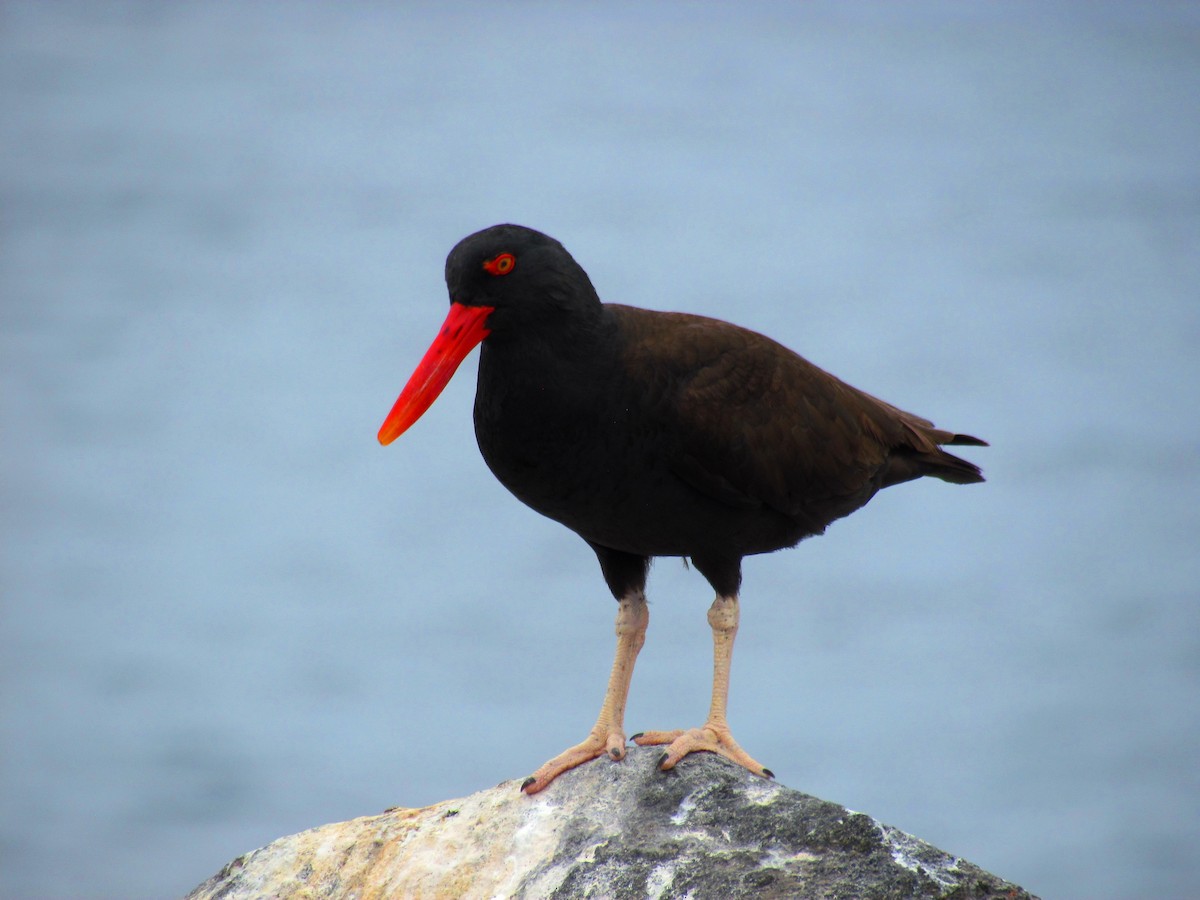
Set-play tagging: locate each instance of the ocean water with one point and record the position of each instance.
(227, 614)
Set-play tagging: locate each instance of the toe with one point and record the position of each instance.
(615, 746)
(655, 738)
(598, 743)
(712, 738)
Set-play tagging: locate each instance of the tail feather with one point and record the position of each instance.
(965, 440)
(923, 455)
(920, 451)
(954, 469)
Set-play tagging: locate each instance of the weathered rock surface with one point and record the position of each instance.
(708, 830)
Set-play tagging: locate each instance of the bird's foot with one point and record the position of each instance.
(600, 742)
(714, 737)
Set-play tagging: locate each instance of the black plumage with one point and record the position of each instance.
(659, 434)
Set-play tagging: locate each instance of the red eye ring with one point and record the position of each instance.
(500, 264)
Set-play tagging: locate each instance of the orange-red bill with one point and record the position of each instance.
(465, 326)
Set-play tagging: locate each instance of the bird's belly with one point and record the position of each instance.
(590, 492)
(623, 497)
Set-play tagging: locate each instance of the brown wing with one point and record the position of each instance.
(759, 425)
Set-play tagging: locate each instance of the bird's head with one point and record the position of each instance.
(523, 276)
(508, 280)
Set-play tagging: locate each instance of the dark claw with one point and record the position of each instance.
(638, 735)
(768, 772)
(662, 759)
(614, 753)
(527, 782)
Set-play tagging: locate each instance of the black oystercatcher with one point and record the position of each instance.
(657, 434)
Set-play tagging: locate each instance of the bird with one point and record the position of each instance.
(657, 434)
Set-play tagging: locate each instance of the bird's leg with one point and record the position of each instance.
(608, 734)
(714, 735)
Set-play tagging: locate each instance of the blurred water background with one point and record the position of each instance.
(229, 615)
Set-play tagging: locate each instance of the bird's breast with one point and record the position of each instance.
(568, 440)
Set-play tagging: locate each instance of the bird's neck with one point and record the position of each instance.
(547, 367)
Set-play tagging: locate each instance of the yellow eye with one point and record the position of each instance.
(500, 265)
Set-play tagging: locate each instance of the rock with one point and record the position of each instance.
(707, 829)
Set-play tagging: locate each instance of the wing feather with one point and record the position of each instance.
(758, 425)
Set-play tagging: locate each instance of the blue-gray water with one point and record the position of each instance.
(228, 614)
